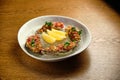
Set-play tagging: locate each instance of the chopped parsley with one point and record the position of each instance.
(33, 43)
(73, 29)
(66, 44)
(48, 23)
(80, 32)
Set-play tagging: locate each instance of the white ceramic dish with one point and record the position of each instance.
(32, 25)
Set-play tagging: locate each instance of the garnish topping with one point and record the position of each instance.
(48, 23)
(80, 32)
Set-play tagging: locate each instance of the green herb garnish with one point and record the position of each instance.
(33, 43)
(66, 44)
(80, 32)
(73, 29)
(48, 23)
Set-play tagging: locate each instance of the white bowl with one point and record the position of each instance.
(32, 25)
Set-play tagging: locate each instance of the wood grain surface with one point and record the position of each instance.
(100, 61)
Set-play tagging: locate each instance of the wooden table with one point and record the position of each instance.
(100, 61)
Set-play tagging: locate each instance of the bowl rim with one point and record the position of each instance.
(57, 58)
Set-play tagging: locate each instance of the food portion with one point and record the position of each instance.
(51, 25)
(73, 33)
(61, 48)
(34, 44)
(48, 38)
(51, 36)
(58, 37)
(62, 33)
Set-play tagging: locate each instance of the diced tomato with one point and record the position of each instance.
(59, 24)
(28, 40)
